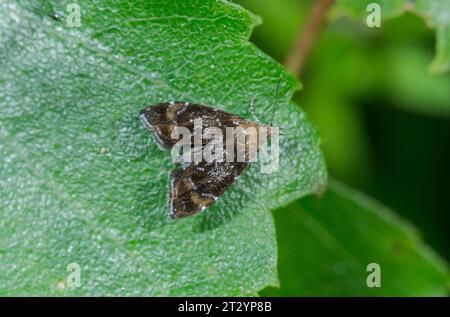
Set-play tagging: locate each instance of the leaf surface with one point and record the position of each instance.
(82, 181)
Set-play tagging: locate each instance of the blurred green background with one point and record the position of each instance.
(383, 117)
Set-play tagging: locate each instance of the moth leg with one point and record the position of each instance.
(283, 143)
(251, 109)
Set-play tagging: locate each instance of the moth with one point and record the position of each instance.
(197, 185)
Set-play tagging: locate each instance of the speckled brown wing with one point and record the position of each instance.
(162, 118)
(200, 185)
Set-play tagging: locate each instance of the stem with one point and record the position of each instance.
(297, 57)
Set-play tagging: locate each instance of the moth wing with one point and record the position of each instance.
(199, 185)
(164, 117)
(159, 119)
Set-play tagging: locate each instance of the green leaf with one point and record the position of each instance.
(327, 243)
(435, 12)
(82, 181)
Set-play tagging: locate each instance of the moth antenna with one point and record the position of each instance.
(289, 158)
(276, 102)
